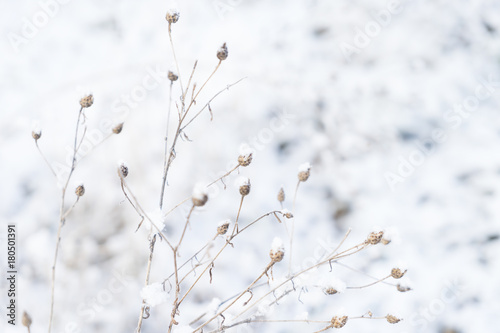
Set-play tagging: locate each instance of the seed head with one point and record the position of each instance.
(281, 195)
(123, 169)
(339, 322)
(222, 52)
(392, 319)
(26, 320)
(245, 186)
(397, 273)
(286, 213)
(223, 227)
(374, 237)
(118, 128)
(304, 172)
(245, 160)
(330, 291)
(277, 251)
(172, 76)
(36, 134)
(87, 101)
(172, 16)
(200, 196)
(80, 190)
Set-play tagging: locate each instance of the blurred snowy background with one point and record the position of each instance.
(394, 103)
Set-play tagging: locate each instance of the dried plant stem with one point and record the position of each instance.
(146, 282)
(175, 60)
(236, 229)
(46, 161)
(62, 216)
(342, 254)
(228, 241)
(269, 266)
(292, 231)
(208, 103)
(371, 284)
(168, 123)
(249, 320)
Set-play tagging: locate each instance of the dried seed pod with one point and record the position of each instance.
(26, 320)
(200, 196)
(222, 52)
(36, 134)
(339, 322)
(223, 227)
(245, 186)
(392, 319)
(172, 16)
(80, 190)
(286, 213)
(87, 101)
(123, 169)
(245, 160)
(277, 251)
(397, 273)
(172, 76)
(304, 172)
(281, 195)
(385, 241)
(374, 237)
(118, 128)
(330, 291)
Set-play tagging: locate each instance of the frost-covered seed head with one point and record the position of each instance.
(277, 251)
(403, 288)
(397, 273)
(26, 320)
(375, 237)
(330, 291)
(245, 186)
(123, 170)
(222, 52)
(118, 128)
(172, 76)
(200, 196)
(36, 134)
(87, 101)
(392, 319)
(80, 190)
(245, 160)
(304, 172)
(222, 228)
(281, 195)
(172, 16)
(339, 322)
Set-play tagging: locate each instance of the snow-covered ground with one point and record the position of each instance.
(394, 103)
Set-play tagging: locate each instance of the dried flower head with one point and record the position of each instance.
(277, 251)
(281, 195)
(339, 322)
(403, 288)
(222, 52)
(330, 291)
(36, 134)
(374, 237)
(304, 172)
(244, 186)
(392, 319)
(87, 101)
(80, 190)
(172, 76)
(200, 196)
(123, 169)
(26, 320)
(172, 16)
(286, 213)
(118, 128)
(223, 227)
(397, 273)
(245, 160)
(334, 286)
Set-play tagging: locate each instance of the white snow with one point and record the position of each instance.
(336, 283)
(305, 167)
(277, 245)
(199, 191)
(245, 150)
(154, 294)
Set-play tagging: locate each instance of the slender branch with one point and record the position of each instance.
(146, 283)
(45, 159)
(292, 231)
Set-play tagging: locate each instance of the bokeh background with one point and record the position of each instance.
(394, 103)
